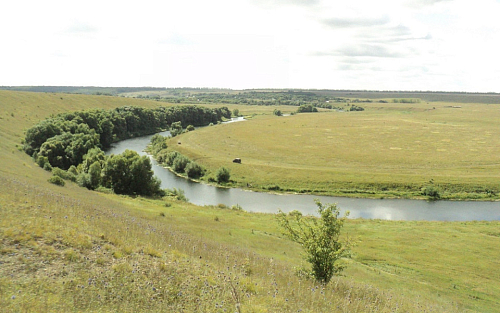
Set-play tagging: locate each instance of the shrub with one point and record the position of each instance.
(171, 156)
(47, 167)
(176, 193)
(432, 192)
(194, 170)
(63, 174)
(223, 175)
(190, 128)
(56, 180)
(320, 239)
(180, 164)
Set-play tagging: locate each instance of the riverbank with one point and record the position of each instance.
(386, 151)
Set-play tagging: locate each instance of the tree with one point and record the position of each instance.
(236, 112)
(306, 108)
(319, 237)
(129, 173)
(175, 129)
(223, 175)
(193, 170)
(277, 112)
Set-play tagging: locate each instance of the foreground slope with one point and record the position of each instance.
(70, 249)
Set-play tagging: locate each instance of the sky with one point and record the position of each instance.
(425, 45)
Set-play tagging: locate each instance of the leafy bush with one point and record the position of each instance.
(176, 193)
(47, 167)
(306, 108)
(56, 180)
(320, 239)
(223, 175)
(180, 163)
(63, 174)
(175, 129)
(194, 170)
(432, 192)
(171, 156)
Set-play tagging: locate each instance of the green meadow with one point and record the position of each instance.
(387, 150)
(69, 249)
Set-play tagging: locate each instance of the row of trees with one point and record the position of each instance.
(66, 138)
(74, 142)
(181, 164)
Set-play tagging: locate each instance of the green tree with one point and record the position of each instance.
(94, 175)
(236, 112)
(180, 163)
(175, 129)
(129, 173)
(277, 112)
(319, 237)
(223, 175)
(193, 170)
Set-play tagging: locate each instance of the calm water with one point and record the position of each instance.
(387, 209)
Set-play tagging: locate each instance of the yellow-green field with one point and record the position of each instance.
(69, 249)
(390, 149)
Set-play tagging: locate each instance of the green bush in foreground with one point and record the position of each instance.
(319, 238)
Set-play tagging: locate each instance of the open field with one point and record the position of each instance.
(390, 149)
(70, 249)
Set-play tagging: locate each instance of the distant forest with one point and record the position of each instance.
(263, 96)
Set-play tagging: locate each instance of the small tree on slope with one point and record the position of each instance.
(319, 237)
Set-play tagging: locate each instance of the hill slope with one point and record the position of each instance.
(70, 249)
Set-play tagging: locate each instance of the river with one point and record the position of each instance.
(386, 209)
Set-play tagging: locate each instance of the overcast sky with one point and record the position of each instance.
(438, 45)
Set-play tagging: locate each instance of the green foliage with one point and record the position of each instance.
(56, 180)
(47, 167)
(432, 192)
(356, 108)
(129, 173)
(171, 156)
(180, 163)
(176, 193)
(66, 175)
(66, 138)
(94, 175)
(277, 112)
(190, 128)
(306, 108)
(157, 144)
(194, 170)
(176, 129)
(223, 175)
(319, 237)
(42, 160)
(236, 112)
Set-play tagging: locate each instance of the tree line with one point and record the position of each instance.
(74, 142)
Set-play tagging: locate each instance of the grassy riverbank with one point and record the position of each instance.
(388, 150)
(71, 249)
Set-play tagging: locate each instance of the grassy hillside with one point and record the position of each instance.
(70, 249)
(388, 150)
